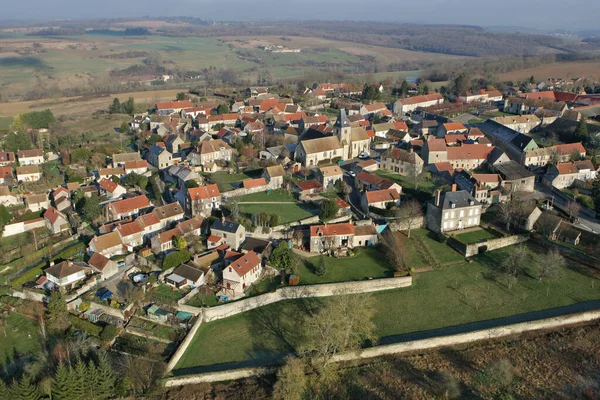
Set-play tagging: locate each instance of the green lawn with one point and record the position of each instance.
(165, 293)
(203, 300)
(287, 212)
(20, 335)
(224, 179)
(440, 298)
(5, 123)
(424, 191)
(474, 121)
(441, 252)
(276, 196)
(367, 263)
(475, 236)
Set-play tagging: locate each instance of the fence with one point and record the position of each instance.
(472, 249)
(285, 293)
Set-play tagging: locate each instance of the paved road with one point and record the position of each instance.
(585, 221)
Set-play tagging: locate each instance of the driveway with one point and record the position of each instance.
(585, 221)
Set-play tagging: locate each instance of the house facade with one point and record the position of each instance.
(451, 211)
(202, 200)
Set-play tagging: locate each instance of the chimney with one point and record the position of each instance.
(454, 187)
(222, 219)
(438, 194)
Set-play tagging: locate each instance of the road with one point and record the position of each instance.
(585, 222)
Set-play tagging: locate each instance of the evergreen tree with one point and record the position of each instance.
(93, 379)
(58, 315)
(92, 208)
(106, 378)
(4, 394)
(80, 381)
(581, 132)
(25, 389)
(404, 88)
(129, 106)
(62, 384)
(115, 107)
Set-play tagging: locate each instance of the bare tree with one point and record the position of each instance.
(511, 210)
(343, 324)
(549, 263)
(408, 213)
(291, 380)
(573, 209)
(514, 263)
(393, 250)
(416, 175)
(546, 225)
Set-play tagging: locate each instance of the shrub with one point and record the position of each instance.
(320, 267)
(108, 333)
(85, 326)
(585, 201)
(442, 238)
(175, 259)
(497, 374)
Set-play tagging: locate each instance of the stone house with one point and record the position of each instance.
(210, 151)
(452, 211)
(129, 207)
(104, 265)
(564, 175)
(406, 105)
(186, 275)
(119, 160)
(380, 199)
(6, 158)
(6, 176)
(232, 233)
(30, 157)
(108, 245)
(159, 157)
(111, 189)
(202, 200)
(515, 177)
(329, 176)
(132, 234)
(401, 161)
(37, 202)
(56, 222)
(241, 273)
(274, 176)
(67, 273)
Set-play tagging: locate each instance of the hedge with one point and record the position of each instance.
(86, 326)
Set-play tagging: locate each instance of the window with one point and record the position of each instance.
(451, 224)
(445, 225)
(446, 215)
(462, 213)
(476, 211)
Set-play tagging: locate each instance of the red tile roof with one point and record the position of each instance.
(401, 126)
(245, 263)
(7, 156)
(454, 126)
(565, 149)
(378, 196)
(98, 261)
(130, 229)
(345, 228)
(341, 203)
(148, 219)
(204, 192)
(490, 178)
(566, 168)
(436, 145)
(130, 204)
(108, 185)
(52, 215)
(469, 152)
(443, 166)
(136, 164)
(309, 185)
(6, 172)
(252, 183)
(214, 238)
(421, 99)
(168, 105)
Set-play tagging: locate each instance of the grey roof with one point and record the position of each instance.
(512, 170)
(256, 245)
(460, 198)
(505, 134)
(521, 141)
(188, 272)
(494, 155)
(156, 149)
(226, 226)
(342, 120)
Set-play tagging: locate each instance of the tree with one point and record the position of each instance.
(511, 210)
(283, 258)
(4, 392)
(321, 266)
(342, 324)
(546, 225)
(222, 109)
(81, 154)
(514, 263)
(291, 380)
(581, 132)
(175, 259)
(107, 378)
(596, 192)
(17, 141)
(115, 107)
(108, 333)
(416, 175)
(58, 315)
(572, 208)
(91, 208)
(393, 249)
(5, 215)
(124, 127)
(549, 263)
(179, 242)
(370, 93)
(129, 106)
(404, 88)
(25, 389)
(329, 209)
(234, 209)
(62, 384)
(180, 96)
(191, 184)
(408, 213)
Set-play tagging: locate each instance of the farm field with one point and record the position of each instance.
(440, 298)
(556, 70)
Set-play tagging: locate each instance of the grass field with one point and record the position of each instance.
(20, 335)
(276, 196)
(367, 263)
(224, 180)
(5, 123)
(437, 299)
(475, 236)
(424, 191)
(565, 70)
(443, 254)
(287, 212)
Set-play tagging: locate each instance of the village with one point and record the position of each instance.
(218, 202)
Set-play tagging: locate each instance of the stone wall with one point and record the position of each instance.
(402, 225)
(306, 221)
(244, 191)
(488, 245)
(411, 346)
(285, 293)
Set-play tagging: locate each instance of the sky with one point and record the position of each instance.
(539, 14)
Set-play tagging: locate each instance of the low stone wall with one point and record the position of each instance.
(405, 347)
(30, 295)
(306, 221)
(473, 249)
(285, 293)
(402, 225)
(244, 191)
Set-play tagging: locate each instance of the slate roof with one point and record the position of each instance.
(225, 226)
(460, 198)
(512, 170)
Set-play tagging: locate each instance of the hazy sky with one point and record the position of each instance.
(544, 14)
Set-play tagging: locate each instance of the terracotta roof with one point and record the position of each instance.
(174, 104)
(252, 183)
(167, 236)
(214, 239)
(309, 185)
(341, 203)
(371, 179)
(58, 191)
(566, 149)
(108, 185)
(245, 263)
(454, 126)
(223, 117)
(455, 138)
(110, 171)
(136, 164)
(489, 178)
(190, 225)
(98, 261)
(475, 132)
(6, 172)
(345, 228)
(443, 166)
(401, 126)
(204, 192)
(168, 211)
(36, 198)
(107, 241)
(469, 152)
(30, 153)
(566, 168)
(421, 99)
(64, 269)
(378, 196)
(52, 215)
(401, 154)
(374, 107)
(7, 156)
(436, 145)
(130, 204)
(366, 163)
(130, 229)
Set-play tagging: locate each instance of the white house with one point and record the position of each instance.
(242, 273)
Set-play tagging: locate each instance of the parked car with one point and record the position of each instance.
(364, 155)
(352, 173)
